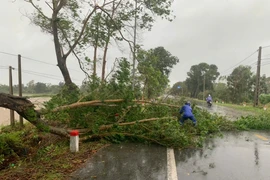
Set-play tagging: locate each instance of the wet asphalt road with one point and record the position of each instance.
(126, 161)
(235, 156)
(229, 113)
(238, 156)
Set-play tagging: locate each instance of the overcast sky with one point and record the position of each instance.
(221, 32)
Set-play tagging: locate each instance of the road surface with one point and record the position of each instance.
(235, 156)
(229, 113)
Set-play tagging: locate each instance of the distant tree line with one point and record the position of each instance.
(237, 87)
(33, 88)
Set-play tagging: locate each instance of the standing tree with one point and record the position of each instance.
(221, 92)
(154, 68)
(68, 21)
(198, 74)
(268, 84)
(239, 83)
(40, 88)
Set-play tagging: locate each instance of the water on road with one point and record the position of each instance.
(126, 161)
(235, 156)
(229, 113)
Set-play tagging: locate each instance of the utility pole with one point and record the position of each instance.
(20, 83)
(134, 45)
(12, 121)
(257, 88)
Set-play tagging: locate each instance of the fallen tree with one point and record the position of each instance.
(116, 120)
(26, 109)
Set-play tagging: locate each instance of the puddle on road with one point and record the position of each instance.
(236, 156)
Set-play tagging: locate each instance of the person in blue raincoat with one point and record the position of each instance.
(186, 110)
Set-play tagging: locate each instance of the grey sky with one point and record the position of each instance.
(221, 32)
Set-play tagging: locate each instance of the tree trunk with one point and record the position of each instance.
(95, 61)
(104, 61)
(25, 108)
(61, 59)
(106, 45)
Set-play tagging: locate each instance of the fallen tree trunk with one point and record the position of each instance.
(104, 127)
(26, 109)
(98, 102)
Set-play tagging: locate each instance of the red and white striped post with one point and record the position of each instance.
(74, 141)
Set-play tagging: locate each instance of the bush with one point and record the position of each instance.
(264, 98)
(261, 122)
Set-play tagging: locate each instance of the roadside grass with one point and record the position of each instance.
(29, 154)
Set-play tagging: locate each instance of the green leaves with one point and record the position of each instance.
(264, 98)
(199, 74)
(239, 83)
(154, 67)
(260, 122)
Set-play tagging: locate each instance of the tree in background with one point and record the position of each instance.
(40, 88)
(264, 98)
(268, 84)
(197, 75)
(263, 85)
(4, 88)
(221, 92)
(179, 89)
(154, 67)
(70, 24)
(240, 83)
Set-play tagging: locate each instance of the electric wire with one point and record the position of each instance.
(266, 46)
(31, 59)
(239, 62)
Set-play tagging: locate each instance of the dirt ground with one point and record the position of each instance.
(5, 113)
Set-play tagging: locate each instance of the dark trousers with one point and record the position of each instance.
(184, 118)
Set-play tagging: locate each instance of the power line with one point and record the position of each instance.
(31, 59)
(239, 62)
(8, 53)
(36, 74)
(49, 75)
(264, 64)
(266, 46)
(43, 74)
